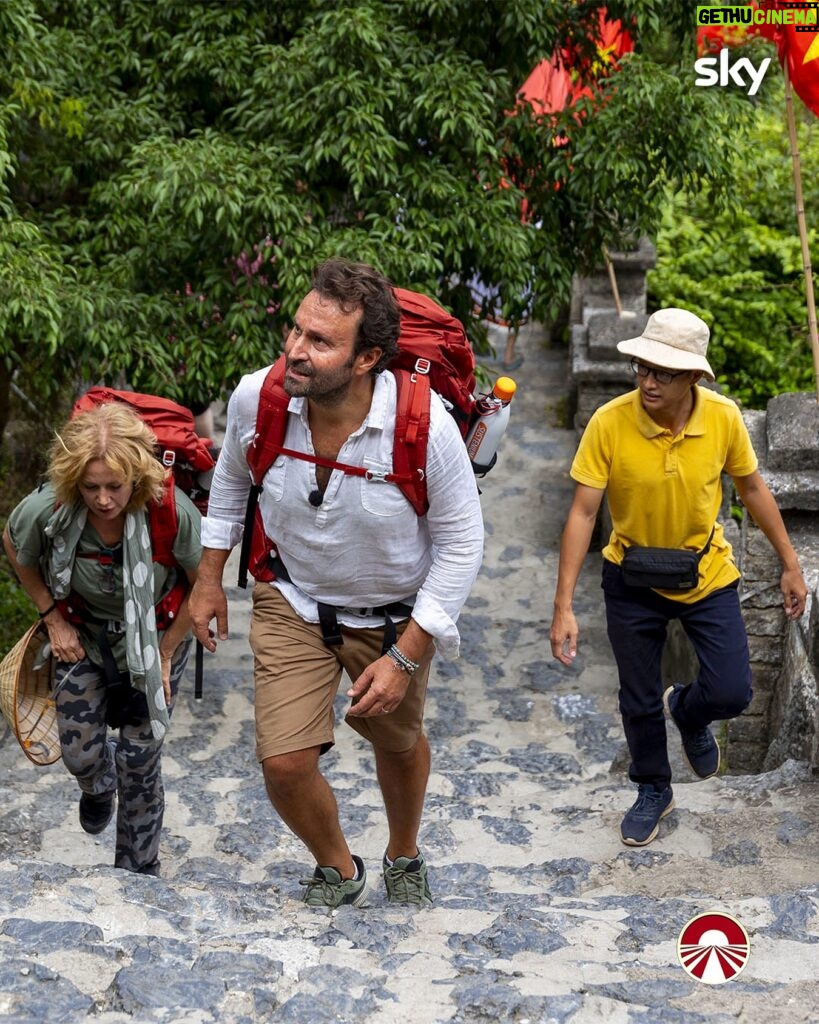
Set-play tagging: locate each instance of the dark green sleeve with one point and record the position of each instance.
(27, 522)
(187, 545)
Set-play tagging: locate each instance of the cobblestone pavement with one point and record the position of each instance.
(541, 914)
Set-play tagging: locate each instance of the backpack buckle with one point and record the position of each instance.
(423, 365)
(168, 458)
(378, 476)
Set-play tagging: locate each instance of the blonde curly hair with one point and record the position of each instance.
(117, 436)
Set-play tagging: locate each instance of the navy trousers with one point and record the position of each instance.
(637, 620)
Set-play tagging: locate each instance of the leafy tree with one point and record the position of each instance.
(742, 270)
(171, 171)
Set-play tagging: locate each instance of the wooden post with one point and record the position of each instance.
(615, 291)
(803, 233)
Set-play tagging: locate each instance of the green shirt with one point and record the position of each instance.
(90, 577)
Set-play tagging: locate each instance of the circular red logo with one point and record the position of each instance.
(713, 948)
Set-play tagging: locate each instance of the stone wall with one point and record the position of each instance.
(783, 720)
(598, 371)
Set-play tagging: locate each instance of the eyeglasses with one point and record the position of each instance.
(661, 376)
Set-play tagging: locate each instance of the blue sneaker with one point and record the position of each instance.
(700, 748)
(642, 822)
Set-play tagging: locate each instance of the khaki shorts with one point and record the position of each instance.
(297, 677)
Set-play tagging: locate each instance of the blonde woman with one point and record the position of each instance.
(85, 547)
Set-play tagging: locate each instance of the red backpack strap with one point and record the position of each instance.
(271, 422)
(163, 522)
(409, 452)
(271, 426)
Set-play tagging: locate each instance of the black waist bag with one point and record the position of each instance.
(663, 568)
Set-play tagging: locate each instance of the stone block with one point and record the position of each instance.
(764, 682)
(743, 758)
(794, 718)
(749, 729)
(755, 421)
(606, 329)
(642, 258)
(763, 623)
(765, 655)
(793, 432)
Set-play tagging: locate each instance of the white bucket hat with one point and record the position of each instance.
(673, 339)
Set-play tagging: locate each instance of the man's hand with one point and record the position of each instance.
(563, 636)
(379, 689)
(794, 592)
(207, 601)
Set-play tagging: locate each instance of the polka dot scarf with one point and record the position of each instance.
(141, 639)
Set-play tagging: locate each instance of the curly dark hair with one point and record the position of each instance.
(360, 286)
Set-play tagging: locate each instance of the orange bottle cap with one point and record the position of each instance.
(504, 389)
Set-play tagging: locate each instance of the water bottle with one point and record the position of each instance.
(486, 432)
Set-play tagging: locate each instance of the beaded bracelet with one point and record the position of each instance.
(402, 661)
(48, 610)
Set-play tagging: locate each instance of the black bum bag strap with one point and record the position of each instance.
(707, 548)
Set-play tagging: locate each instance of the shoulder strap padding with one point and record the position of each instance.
(409, 451)
(271, 422)
(163, 521)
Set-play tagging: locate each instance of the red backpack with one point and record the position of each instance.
(179, 446)
(434, 352)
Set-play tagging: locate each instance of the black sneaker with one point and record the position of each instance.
(700, 748)
(96, 812)
(642, 822)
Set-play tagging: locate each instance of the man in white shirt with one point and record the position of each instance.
(354, 545)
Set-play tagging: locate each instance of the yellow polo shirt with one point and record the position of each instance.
(666, 491)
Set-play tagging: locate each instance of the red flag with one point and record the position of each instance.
(559, 81)
(548, 87)
(801, 50)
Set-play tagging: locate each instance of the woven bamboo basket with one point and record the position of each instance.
(26, 698)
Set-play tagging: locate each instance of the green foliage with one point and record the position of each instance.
(741, 269)
(171, 171)
(18, 611)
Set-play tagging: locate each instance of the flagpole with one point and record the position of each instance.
(800, 218)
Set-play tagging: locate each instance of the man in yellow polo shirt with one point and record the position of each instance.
(658, 452)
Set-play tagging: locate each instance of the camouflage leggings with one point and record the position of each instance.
(101, 764)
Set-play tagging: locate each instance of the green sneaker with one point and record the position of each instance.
(328, 889)
(406, 881)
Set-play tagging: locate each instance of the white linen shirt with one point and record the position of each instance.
(364, 546)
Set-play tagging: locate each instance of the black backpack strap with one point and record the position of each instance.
(247, 536)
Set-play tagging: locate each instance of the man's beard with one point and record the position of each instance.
(327, 388)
